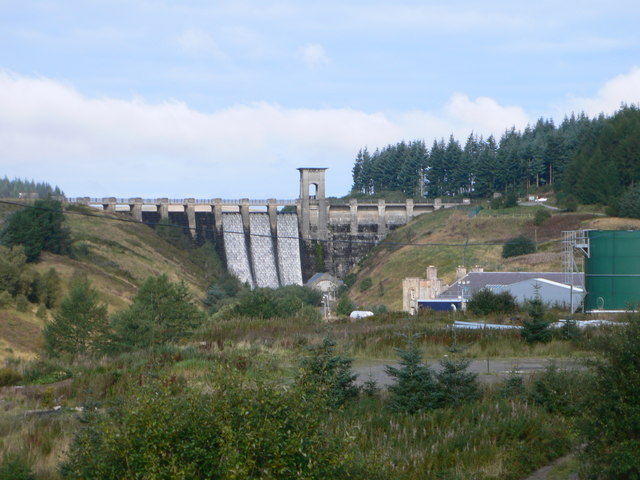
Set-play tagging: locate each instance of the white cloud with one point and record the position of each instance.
(314, 55)
(624, 88)
(104, 146)
(198, 42)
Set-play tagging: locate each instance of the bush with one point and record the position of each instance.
(512, 387)
(22, 304)
(560, 391)
(8, 377)
(511, 200)
(541, 216)
(518, 246)
(366, 284)
(166, 431)
(15, 467)
(5, 299)
(485, 302)
(282, 302)
(570, 330)
(570, 203)
(610, 429)
(345, 306)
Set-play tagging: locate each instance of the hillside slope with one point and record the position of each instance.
(116, 257)
(449, 238)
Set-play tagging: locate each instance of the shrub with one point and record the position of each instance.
(165, 431)
(541, 216)
(560, 391)
(15, 467)
(51, 288)
(366, 284)
(511, 200)
(512, 387)
(518, 246)
(345, 305)
(612, 413)
(570, 203)
(282, 302)
(8, 377)
(485, 302)
(22, 304)
(5, 299)
(350, 279)
(570, 330)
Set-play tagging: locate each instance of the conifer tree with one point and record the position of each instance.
(415, 388)
(81, 324)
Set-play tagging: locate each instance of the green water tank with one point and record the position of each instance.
(612, 271)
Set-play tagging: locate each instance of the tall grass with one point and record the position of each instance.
(378, 337)
(492, 439)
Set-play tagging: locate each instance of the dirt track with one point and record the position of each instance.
(489, 371)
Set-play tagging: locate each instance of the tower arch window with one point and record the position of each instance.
(313, 191)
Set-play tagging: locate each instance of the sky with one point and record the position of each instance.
(225, 99)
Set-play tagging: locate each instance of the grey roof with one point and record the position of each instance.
(322, 276)
(480, 280)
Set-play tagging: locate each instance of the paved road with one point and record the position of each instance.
(489, 371)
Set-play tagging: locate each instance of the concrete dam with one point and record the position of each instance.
(272, 243)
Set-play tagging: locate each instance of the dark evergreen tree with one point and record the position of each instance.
(37, 228)
(161, 312)
(455, 385)
(414, 389)
(81, 325)
(328, 374)
(537, 328)
(486, 169)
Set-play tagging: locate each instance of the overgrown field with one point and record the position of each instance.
(505, 434)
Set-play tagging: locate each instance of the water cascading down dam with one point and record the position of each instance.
(258, 258)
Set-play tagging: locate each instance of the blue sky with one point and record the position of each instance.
(225, 99)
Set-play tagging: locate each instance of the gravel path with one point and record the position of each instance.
(488, 370)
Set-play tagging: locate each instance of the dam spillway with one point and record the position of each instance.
(258, 258)
(235, 248)
(263, 254)
(289, 261)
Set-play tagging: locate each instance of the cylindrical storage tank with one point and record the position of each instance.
(612, 271)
